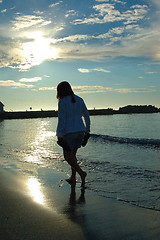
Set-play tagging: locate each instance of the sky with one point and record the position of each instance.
(108, 50)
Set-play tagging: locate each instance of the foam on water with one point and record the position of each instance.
(140, 141)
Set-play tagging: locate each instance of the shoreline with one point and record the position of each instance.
(65, 213)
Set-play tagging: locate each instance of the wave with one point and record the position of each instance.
(139, 141)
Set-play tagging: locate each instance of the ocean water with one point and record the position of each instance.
(122, 157)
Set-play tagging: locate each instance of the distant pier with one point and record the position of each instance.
(130, 109)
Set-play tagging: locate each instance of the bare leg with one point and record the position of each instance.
(72, 179)
(70, 157)
(73, 176)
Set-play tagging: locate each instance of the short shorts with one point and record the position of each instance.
(74, 140)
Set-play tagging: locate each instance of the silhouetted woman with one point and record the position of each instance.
(71, 127)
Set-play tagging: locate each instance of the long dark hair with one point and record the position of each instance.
(64, 89)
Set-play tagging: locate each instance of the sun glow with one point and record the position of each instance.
(38, 49)
(157, 55)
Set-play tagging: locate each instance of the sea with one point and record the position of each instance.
(122, 157)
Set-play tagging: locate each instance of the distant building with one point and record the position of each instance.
(1, 107)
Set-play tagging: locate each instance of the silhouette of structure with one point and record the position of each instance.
(130, 109)
(138, 109)
(1, 107)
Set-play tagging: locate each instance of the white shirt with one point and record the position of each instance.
(70, 116)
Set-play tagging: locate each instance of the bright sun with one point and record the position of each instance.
(38, 50)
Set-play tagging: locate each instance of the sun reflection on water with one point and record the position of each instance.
(35, 191)
(34, 159)
(40, 145)
(42, 135)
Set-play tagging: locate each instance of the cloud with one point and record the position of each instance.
(84, 70)
(3, 11)
(70, 13)
(133, 90)
(113, 35)
(101, 0)
(10, 53)
(11, 83)
(142, 43)
(101, 89)
(81, 89)
(75, 38)
(100, 52)
(34, 79)
(101, 70)
(27, 21)
(123, 32)
(47, 88)
(55, 4)
(38, 12)
(85, 52)
(127, 39)
(107, 12)
(151, 72)
(23, 50)
(116, 1)
(91, 89)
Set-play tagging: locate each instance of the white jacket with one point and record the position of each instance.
(70, 116)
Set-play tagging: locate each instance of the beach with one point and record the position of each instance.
(121, 200)
(57, 211)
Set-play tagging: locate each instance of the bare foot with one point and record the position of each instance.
(83, 179)
(71, 181)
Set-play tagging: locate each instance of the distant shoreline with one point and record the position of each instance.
(130, 109)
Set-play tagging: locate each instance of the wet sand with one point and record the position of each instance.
(44, 206)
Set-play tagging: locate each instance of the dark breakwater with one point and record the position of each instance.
(44, 114)
(28, 114)
(53, 113)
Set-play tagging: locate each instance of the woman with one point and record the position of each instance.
(71, 128)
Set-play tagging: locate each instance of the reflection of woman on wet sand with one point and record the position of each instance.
(71, 128)
(74, 204)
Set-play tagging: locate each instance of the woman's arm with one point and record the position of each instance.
(86, 118)
(61, 119)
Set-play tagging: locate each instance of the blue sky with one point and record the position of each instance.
(109, 51)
